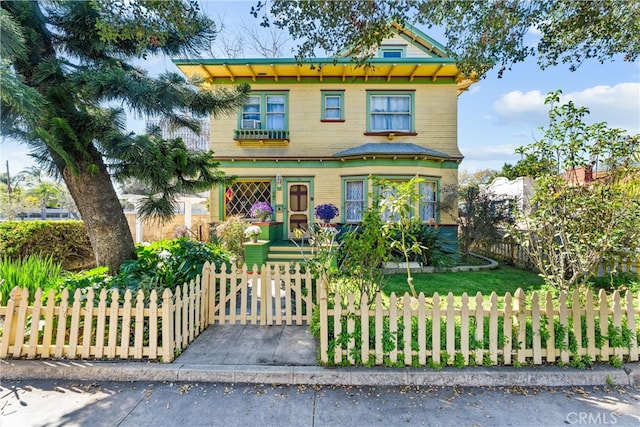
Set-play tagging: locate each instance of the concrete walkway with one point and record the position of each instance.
(287, 355)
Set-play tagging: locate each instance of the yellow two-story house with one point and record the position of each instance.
(317, 132)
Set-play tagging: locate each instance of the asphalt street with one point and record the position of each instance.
(92, 403)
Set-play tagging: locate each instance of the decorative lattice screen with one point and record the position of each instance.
(242, 195)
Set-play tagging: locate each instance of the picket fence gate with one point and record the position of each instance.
(113, 325)
(434, 331)
(275, 294)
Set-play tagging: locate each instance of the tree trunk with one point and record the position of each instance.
(98, 204)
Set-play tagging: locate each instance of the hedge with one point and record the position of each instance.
(65, 241)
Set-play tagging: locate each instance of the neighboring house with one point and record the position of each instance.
(317, 132)
(515, 193)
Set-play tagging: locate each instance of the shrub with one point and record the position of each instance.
(231, 234)
(436, 249)
(167, 264)
(66, 242)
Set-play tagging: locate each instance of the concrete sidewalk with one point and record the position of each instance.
(287, 355)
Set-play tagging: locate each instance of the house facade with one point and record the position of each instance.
(318, 131)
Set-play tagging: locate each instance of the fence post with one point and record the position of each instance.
(265, 293)
(168, 343)
(324, 318)
(11, 321)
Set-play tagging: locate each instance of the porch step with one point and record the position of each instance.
(287, 252)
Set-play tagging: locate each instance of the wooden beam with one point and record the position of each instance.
(390, 72)
(231, 76)
(366, 73)
(275, 73)
(320, 74)
(435, 75)
(413, 73)
(253, 73)
(207, 72)
(298, 72)
(344, 72)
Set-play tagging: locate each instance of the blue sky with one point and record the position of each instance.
(495, 116)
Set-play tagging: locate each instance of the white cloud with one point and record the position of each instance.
(521, 107)
(493, 152)
(617, 105)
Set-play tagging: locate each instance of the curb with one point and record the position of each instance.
(550, 376)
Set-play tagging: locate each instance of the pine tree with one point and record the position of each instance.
(74, 61)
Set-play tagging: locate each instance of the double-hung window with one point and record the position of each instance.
(265, 111)
(354, 199)
(332, 106)
(389, 112)
(426, 203)
(427, 191)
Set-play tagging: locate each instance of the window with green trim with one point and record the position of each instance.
(390, 112)
(332, 106)
(427, 200)
(354, 199)
(265, 111)
(427, 192)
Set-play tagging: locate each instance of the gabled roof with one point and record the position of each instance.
(438, 67)
(391, 149)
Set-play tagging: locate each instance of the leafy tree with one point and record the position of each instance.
(72, 60)
(399, 199)
(573, 228)
(481, 218)
(480, 34)
(528, 165)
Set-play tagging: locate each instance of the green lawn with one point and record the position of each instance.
(504, 279)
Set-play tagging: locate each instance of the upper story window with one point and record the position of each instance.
(265, 111)
(390, 111)
(332, 106)
(391, 52)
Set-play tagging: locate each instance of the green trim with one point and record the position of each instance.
(222, 190)
(335, 164)
(263, 107)
(343, 194)
(326, 93)
(313, 61)
(426, 38)
(377, 80)
(285, 201)
(409, 93)
(427, 178)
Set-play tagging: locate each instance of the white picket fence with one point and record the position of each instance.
(144, 326)
(419, 331)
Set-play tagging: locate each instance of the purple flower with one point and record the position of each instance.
(261, 210)
(326, 211)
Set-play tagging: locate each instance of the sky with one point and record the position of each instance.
(495, 116)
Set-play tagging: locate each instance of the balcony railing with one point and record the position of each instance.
(261, 134)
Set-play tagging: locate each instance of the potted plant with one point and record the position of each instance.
(252, 232)
(326, 212)
(261, 211)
